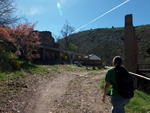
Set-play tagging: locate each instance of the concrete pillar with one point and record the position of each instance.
(131, 48)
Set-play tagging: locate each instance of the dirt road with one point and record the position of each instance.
(68, 92)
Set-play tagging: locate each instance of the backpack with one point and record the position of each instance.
(124, 83)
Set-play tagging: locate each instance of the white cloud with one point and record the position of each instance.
(33, 11)
(64, 1)
(67, 3)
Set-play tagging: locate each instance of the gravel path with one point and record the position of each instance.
(66, 92)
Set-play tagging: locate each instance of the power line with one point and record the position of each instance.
(101, 16)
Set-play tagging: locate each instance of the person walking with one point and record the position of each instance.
(117, 100)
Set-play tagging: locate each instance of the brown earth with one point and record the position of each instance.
(66, 92)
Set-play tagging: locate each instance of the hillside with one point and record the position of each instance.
(108, 42)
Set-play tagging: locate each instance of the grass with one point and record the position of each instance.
(13, 81)
(103, 85)
(37, 69)
(33, 68)
(96, 68)
(138, 104)
(11, 75)
(91, 73)
(70, 68)
(24, 68)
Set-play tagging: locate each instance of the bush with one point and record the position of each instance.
(23, 38)
(8, 62)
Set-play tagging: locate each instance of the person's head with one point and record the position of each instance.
(117, 61)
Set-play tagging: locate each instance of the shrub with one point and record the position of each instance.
(23, 38)
(8, 62)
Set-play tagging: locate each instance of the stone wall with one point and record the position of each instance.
(48, 56)
(46, 38)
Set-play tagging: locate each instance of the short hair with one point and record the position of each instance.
(117, 60)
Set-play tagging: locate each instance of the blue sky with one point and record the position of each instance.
(51, 14)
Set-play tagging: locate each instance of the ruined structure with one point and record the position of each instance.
(46, 38)
(131, 58)
(131, 48)
(48, 55)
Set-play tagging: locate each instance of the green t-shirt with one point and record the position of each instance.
(111, 78)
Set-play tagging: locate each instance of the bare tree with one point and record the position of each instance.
(66, 30)
(57, 38)
(7, 12)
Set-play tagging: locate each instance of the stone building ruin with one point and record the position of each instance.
(47, 54)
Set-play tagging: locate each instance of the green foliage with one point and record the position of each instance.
(32, 68)
(72, 47)
(23, 38)
(148, 50)
(109, 42)
(11, 75)
(102, 86)
(8, 62)
(72, 68)
(3, 77)
(139, 104)
(67, 67)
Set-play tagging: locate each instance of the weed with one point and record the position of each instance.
(139, 103)
(91, 73)
(55, 100)
(103, 85)
(73, 68)
(17, 88)
(59, 72)
(3, 77)
(67, 93)
(77, 106)
(1, 109)
(34, 69)
(17, 74)
(68, 103)
(4, 101)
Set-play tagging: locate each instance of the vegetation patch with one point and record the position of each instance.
(102, 85)
(13, 81)
(109, 42)
(138, 104)
(72, 68)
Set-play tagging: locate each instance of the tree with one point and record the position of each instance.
(7, 10)
(57, 38)
(24, 38)
(72, 47)
(66, 31)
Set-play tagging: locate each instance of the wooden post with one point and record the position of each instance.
(59, 56)
(43, 54)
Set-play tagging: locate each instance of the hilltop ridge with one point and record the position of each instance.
(109, 42)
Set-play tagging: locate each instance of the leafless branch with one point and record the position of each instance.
(7, 12)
